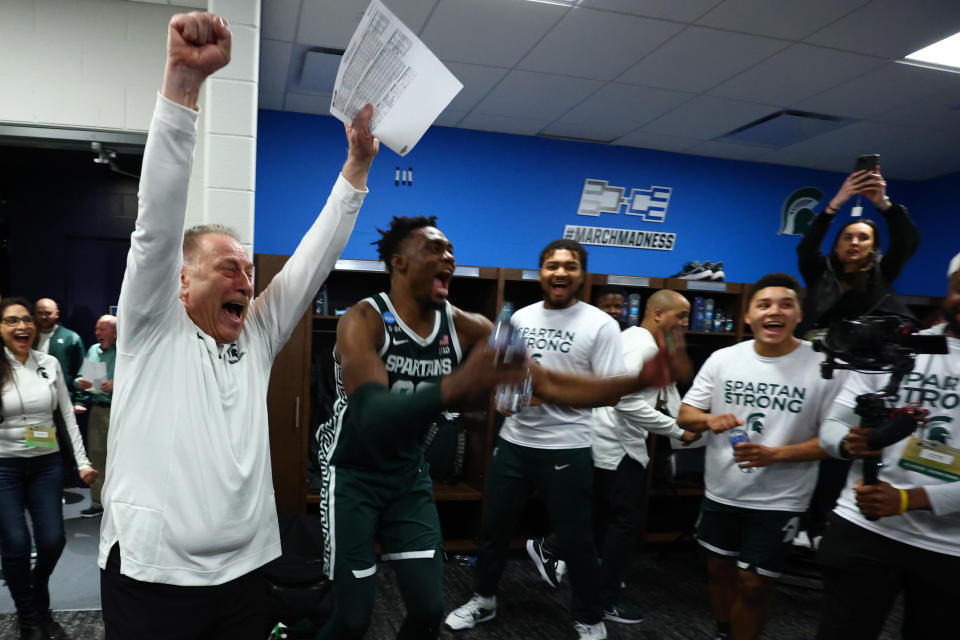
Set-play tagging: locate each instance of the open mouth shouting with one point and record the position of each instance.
(22, 339)
(232, 312)
(559, 288)
(441, 283)
(773, 329)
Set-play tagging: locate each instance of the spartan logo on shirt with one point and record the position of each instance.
(234, 355)
(764, 395)
(931, 391)
(42, 373)
(755, 421)
(541, 339)
(936, 431)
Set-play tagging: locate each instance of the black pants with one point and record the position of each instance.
(617, 516)
(565, 479)
(135, 610)
(863, 572)
(831, 479)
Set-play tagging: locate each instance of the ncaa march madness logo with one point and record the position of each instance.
(650, 205)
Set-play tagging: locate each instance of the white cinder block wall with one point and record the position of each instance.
(97, 64)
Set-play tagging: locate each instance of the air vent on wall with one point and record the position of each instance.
(784, 128)
(574, 138)
(319, 72)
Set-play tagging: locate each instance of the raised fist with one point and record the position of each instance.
(198, 44)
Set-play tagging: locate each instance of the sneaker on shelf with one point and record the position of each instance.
(591, 631)
(717, 270)
(92, 512)
(477, 610)
(623, 613)
(693, 270)
(551, 569)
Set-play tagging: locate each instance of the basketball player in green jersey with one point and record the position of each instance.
(399, 363)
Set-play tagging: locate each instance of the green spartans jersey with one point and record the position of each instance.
(411, 363)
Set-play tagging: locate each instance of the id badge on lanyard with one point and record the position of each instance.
(41, 435)
(931, 458)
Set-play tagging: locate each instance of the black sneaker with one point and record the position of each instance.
(551, 569)
(693, 270)
(623, 613)
(92, 512)
(716, 269)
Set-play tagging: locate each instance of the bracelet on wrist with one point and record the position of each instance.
(904, 500)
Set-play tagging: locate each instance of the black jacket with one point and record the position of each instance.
(826, 299)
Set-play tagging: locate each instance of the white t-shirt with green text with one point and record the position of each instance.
(781, 401)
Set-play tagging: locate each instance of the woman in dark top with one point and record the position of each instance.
(855, 278)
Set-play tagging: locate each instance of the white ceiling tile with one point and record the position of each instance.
(940, 111)
(331, 23)
(648, 140)
(891, 28)
(683, 11)
(597, 44)
(193, 4)
(503, 124)
(278, 19)
(700, 58)
(605, 130)
(627, 103)
(794, 74)
(316, 103)
(717, 149)
(879, 91)
(274, 62)
(450, 117)
(477, 82)
(536, 95)
(707, 117)
(493, 32)
(270, 100)
(789, 20)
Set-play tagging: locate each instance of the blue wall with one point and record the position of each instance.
(500, 198)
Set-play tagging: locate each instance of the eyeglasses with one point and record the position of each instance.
(12, 321)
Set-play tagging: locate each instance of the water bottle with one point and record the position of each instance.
(729, 327)
(736, 437)
(719, 320)
(320, 302)
(633, 309)
(697, 314)
(508, 344)
(708, 315)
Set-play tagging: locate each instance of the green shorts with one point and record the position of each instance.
(759, 540)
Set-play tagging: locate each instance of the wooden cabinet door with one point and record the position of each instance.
(288, 403)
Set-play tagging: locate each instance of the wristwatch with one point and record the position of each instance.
(885, 203)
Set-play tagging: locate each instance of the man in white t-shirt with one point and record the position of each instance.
(547, 447)
(189, 512)
(769, 388)
(912, 544)
(620, 458)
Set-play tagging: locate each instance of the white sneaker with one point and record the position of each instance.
(478, 610)
(591, 631)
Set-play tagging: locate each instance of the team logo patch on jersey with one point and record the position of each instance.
(233, 353)
(939, 433)
(755, 422)
(389, 318)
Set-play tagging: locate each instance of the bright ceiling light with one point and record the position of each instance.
(943, 55)
(562, 3)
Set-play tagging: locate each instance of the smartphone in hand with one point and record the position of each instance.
(867, 162)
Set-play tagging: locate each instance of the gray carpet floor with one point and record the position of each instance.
(669, 584)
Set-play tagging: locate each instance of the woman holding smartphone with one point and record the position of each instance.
(855, 278)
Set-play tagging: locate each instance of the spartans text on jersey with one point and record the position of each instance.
(764, 395)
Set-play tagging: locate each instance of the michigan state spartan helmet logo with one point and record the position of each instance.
(797, 212)
(755, 422)
(936, 431)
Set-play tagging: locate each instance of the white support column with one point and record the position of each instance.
(227, 155)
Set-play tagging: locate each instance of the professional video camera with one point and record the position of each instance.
(878, 344)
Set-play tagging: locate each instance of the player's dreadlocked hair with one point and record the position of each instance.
(400, 228)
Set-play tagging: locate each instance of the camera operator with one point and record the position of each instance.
(912, 541)
(851, 281)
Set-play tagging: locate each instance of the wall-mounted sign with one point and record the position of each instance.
(629, 238)
(797, 212)
(648, 204)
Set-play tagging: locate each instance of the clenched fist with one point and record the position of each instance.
(198, 44)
